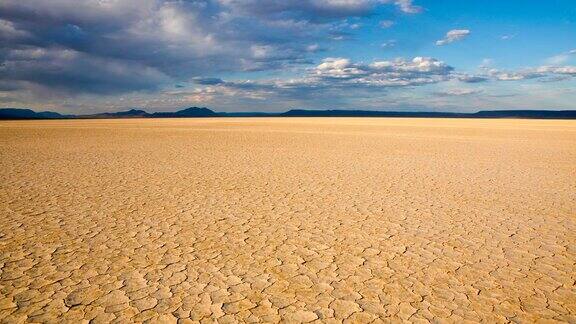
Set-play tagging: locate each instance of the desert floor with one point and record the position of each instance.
(327, 219)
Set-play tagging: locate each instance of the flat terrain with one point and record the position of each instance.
(329, 219)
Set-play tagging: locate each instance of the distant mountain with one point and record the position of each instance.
(194, 112)
(132, 113)
(537, 114)
(247, 114)
(136, 113)
(17, 113)
(541, 114)
(188, 112)
(366, 113)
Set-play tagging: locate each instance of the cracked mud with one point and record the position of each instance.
(296, 220)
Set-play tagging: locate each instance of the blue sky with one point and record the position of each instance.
(84, 56)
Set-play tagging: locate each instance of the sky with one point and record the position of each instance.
(89, 56)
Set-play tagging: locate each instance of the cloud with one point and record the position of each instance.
(386, 24)
(486, 63)
(68, 70)
(457, 92)
(472, 78)
(389, 43)
(542, 73)
(399, 72)
(313, 10)
(555, 78)
(9, 32)
(526, 74)
(344, 76)
(208, 81)
(558, 59)
(313, 48)
(561, 58)
(332, 82)
(114, 47)
(453, 36)
(407, 6)
(563, 70)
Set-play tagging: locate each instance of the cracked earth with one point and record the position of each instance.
(293, 220)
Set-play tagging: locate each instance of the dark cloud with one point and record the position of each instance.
(9, 85)
(88, 46)
(69, 70)
(472, 78)
(208, 81)
(70, 47)
(314, 10)
(7, 99)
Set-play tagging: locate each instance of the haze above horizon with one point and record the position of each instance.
(89, 56)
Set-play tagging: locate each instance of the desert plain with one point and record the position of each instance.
(288, 220)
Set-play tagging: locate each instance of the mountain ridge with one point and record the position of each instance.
(202, 112)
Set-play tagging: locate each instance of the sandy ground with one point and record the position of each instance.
(287, 220)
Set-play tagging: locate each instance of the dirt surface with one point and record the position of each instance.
(287, 219)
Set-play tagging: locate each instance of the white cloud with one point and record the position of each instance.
(486, 63)
(453, 36)
(568, 70)
(507, 37)
(561, 58)
(337, 68)
(386, 23)
(558, 59)
(542, 73)
(514, 76)
(344, 74)
(407, 6)
(389, 43)
(261, 51)
(457, 92)
(313, 48)
(399, 72)
(331, 81)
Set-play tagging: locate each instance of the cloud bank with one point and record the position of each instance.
(107, 47)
